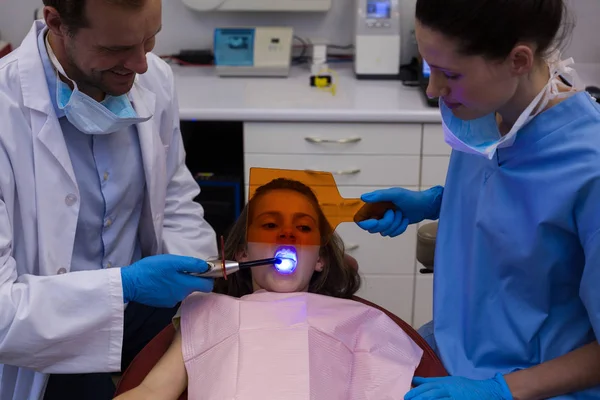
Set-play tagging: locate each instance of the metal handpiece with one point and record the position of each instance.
(215, 269)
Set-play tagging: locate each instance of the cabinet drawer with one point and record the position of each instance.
(376, 254)
(433, 141)
(434, 170)
(347, 169)
(394, 293)
(380, 255)
(332, 138)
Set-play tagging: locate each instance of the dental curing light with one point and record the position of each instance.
(219, 268)
(288, 260)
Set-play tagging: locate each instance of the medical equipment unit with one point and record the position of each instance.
(258, 5)
(377, 39)
(258, 51)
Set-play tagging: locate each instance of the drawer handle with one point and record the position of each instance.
(346, 172)
(352, 247)
(334, 141)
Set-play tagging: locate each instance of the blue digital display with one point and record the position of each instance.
(234, 47)
(426, 69)
(379, 9)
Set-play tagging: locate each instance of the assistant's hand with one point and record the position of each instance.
(159, 281)
(457, 388)
(412, 207)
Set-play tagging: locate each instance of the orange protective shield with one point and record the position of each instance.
(284, 215)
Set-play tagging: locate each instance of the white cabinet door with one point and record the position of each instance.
(394, 293)
(423, 299)
(436, 156)
(376, 254)
(433, 141)
(434, 170)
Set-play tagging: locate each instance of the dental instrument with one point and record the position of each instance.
(218, 268)
(288, 260)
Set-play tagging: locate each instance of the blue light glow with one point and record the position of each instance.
(289, 260)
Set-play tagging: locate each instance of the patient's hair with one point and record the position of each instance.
(338, 279)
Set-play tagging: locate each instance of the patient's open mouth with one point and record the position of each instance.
(289, 260)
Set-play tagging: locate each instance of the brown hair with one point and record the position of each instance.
(337, 279)
(72, 12)
(492, 28)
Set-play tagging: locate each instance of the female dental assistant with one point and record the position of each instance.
(517, 262)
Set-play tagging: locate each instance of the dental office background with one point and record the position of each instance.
(187, 29)
(392, 151)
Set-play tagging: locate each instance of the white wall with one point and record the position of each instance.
(186, 29)
(585, 42)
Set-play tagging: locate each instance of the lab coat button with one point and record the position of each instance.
(70, 199)
(61, 271)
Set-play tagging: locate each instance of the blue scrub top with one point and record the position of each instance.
(517, 263)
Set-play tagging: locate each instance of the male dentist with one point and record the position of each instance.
(97, 218)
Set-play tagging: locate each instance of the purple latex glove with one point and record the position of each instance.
(457, 388)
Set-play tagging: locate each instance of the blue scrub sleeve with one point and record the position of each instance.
(587, 214)
(591, 278)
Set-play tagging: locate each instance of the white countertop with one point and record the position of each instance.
(205, 96)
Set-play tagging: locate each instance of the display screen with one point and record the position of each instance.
(234, 47)
(379, 9)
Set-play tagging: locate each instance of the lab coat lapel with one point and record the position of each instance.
(56, 188)
(36, 97)
(153, 157)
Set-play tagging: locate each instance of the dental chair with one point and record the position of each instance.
(142, 364)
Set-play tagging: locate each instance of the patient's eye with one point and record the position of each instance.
(304, 228)
(269, 225)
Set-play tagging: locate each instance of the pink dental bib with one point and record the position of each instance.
(293, 346)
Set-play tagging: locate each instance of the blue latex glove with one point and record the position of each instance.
(158, 281)
(457, 388)
(412, 208)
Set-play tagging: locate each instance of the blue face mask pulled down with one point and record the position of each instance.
(113, 114)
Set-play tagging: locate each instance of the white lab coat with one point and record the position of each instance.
(52, 321)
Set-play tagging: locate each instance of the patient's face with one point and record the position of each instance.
(283, 218)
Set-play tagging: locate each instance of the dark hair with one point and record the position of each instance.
(492, 28)
(338, 279)
(72, 12)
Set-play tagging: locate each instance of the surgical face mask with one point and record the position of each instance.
(113, 114)
(481, 136)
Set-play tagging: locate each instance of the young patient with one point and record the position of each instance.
(268, 335)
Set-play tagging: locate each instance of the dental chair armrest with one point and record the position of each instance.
(426, 237)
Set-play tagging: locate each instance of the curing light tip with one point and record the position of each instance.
(288, 260)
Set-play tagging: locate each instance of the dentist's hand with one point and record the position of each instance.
(159, 281)
(411, 207)
(457, 388)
